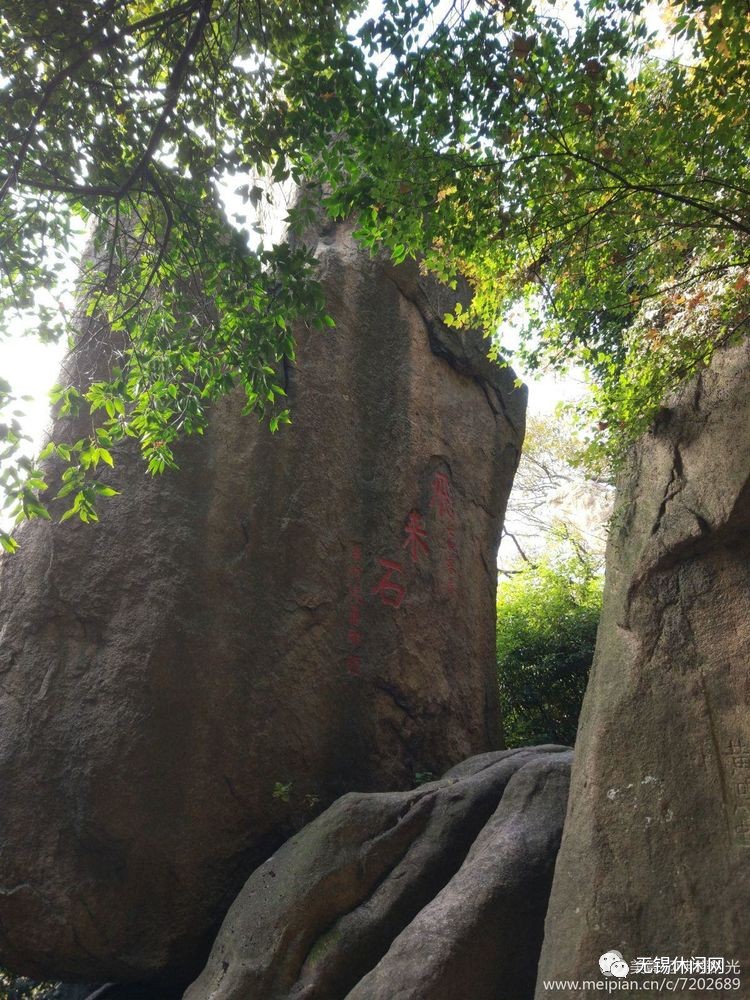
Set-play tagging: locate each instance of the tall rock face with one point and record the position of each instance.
(290, 617)
(655, 859)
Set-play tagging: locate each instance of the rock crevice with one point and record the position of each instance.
(458, 914)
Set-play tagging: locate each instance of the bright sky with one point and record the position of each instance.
(31, 368)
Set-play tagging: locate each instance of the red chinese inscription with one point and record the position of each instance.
(391, 586)
(391, 592)
(441, 500)
(416, 536)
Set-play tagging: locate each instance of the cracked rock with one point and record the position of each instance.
(290, 617)
(654, 860)
(433, 894)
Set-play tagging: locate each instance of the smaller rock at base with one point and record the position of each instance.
(434, 894)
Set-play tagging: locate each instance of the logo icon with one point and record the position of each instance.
(613, 964)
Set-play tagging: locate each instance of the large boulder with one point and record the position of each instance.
(290, 617)
(655, 857)
(433, 894)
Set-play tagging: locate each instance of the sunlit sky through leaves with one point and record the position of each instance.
(32, 368)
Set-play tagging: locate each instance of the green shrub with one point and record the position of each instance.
(547, 616)
(20, 988)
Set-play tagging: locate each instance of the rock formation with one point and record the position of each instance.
(290, 617)
(433, 894)
(655, 856)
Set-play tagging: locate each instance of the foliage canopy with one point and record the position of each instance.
(547, 617)
(547, 153)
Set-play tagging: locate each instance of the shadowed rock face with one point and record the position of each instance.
(313, 608)
(655, 860)
(433, 894)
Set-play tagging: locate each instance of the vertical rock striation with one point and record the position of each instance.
(290, 617)
(655, 859)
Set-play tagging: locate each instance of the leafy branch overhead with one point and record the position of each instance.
(556, 158)
(125, 116)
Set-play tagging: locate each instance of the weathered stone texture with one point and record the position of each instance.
(655, 858)
(161, 672)
(433, 894)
